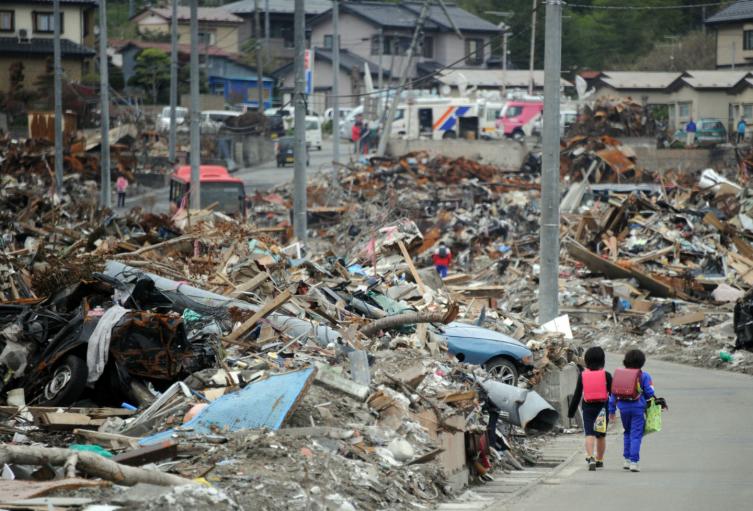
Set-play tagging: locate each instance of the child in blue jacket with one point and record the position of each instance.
(632, 411)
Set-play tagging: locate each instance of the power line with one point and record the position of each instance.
(643, 7)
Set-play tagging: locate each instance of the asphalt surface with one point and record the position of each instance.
(701, 460)
(261, 177)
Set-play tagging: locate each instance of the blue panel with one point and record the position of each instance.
(448, 124)
(462, 110)
(262, 404)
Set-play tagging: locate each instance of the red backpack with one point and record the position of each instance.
(626, 384)
(594, 386)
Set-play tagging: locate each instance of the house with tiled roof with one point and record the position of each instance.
(734, 35)
(26, 36)
(218, 27)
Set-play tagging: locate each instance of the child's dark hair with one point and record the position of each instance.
(594, 358)
(634, 359)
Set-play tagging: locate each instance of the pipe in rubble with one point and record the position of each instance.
(292, 326)
(521, 407)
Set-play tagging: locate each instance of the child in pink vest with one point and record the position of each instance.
(594, 386)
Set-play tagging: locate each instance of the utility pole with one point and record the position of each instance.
(403, 80)
(336, 84)
(58, 98)
(266, 27)
(533, 49)
(104, 97)
(195, 140)
(550, 176)
(173, 80)
(381, 55)
(131, 8)
(259, 65)
(504, 58)
(299, 103)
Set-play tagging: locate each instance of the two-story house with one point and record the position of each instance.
(279, 17)
(383, 31)
(217, 27)
(734, 35)
(26, 36)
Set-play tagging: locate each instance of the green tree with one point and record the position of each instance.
(152, 71)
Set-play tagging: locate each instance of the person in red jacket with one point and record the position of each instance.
(442, 258)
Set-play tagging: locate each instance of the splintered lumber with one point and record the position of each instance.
(66, 421)
(149, 454)
(250, 285)
(111, 440)
(263, 311)
(18, 490)
(173, 241)
(88, 462)
(411, 267)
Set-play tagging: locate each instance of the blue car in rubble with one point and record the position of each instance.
(502, 356)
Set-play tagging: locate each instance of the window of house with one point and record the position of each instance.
(288, 37)
(748, 111)
(392, 45)
(43, 22)
(206, 38)
(748, 40)
(328, 42)
(427, 49)
(474, 51)
(683, 109)
(7, 23)
(218, 88)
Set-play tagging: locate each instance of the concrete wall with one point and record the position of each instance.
(35, 66)
(505, 153)
(651, 158)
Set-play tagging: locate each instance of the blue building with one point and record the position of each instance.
(227, 76)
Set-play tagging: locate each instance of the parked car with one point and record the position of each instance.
(285, 151)
(314, 132)
(212, 120)
(163, 120)
(709, 132)
(502, 356)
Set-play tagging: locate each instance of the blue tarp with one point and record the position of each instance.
(262, 404)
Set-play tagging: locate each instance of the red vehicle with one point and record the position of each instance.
(217, 186)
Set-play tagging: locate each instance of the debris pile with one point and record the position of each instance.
(615, 117)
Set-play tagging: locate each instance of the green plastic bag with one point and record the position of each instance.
(653, 418)
(600, 424)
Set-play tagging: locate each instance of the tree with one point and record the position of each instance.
(152, 71)
(694, 50)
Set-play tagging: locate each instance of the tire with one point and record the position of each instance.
(502, 370)
(518, 135)
(66, 383)
(449, 135)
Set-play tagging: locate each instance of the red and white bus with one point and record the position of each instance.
(217, 186)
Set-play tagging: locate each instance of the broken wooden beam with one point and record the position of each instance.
(263, 311)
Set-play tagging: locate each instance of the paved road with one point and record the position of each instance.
(261, 177)
(702, 460)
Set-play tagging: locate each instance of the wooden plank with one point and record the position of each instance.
(459, 396)
(411, 267)
(94, 413)
(250, 285)
(62, 421)
(112, 440)
(652, 255)
(266, 309)
(150, 454)
(688, 319)
(19, 490)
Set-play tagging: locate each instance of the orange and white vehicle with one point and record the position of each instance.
(436, 118)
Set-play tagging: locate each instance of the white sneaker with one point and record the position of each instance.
(634, 467)
(626, 464)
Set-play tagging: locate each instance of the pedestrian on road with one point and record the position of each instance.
(594, 386)
(121, 185)
(741, 127)
(690, 129)
(631, 389)
(442, 258)
(356, 132)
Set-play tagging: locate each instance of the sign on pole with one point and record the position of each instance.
(308, 64)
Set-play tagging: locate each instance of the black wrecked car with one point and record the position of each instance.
(80, 339)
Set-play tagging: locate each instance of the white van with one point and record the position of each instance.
(436, 119)
(314, 132)
(213, 120)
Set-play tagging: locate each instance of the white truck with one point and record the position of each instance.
(437, 119)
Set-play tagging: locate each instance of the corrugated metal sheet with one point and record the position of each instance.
(262, 404)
